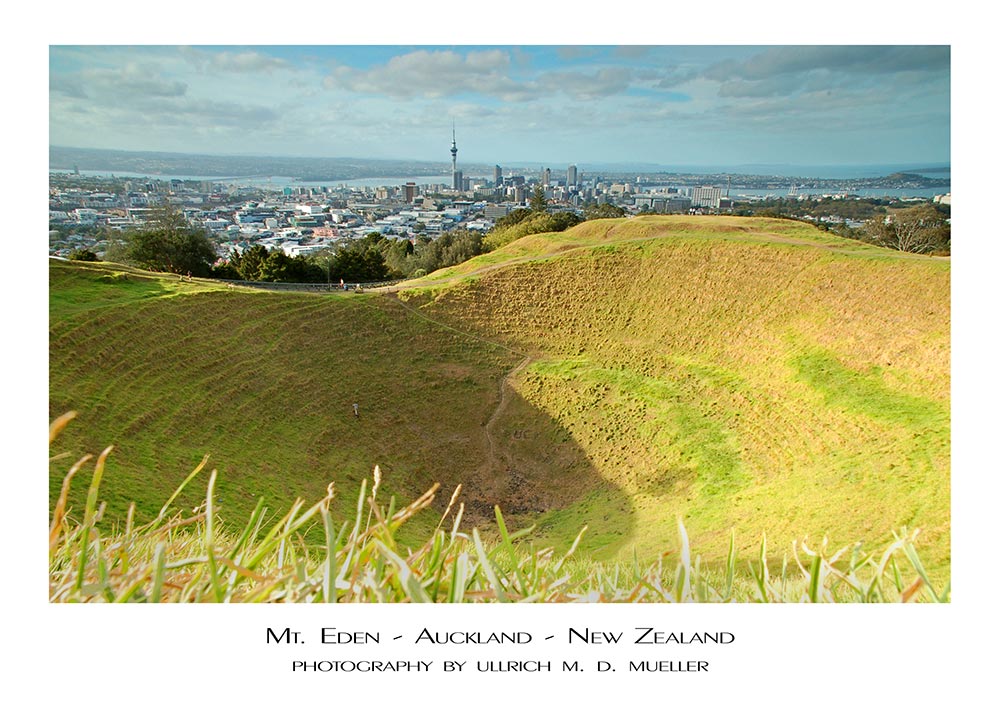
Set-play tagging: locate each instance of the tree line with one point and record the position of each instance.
(916, 228)
(167, 242)
(536, 219)
(170, 243)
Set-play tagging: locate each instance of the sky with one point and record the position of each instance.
(691, 105)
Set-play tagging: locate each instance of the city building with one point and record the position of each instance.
(571, 176)
(706, 197)
(495, 211)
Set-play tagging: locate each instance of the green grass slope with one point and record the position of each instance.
(746, 374)
(169, 370)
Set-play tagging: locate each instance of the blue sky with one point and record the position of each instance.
(693, 105)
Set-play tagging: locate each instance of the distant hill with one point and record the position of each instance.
(746, 374)
(909, 177)
(179, 164)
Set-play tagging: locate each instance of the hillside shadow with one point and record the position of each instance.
(539, 475)
(266, 383)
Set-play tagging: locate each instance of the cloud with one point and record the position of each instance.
(227, 114)
(438, 74)
(632, 51)
(836, 59)
(159, 111)
(66, 85)
(431, 74)
(574, 53)
(132, 82)
(190, 98)
(468, 112)
(824, 112)
(230, 62)
(165, 93)
(781, 85)
(784, 71)
(667, 78)
(585, 86)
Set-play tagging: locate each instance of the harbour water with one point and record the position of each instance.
(280, 182)
(880, 193)
(276, 182)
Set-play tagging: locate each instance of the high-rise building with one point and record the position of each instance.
(678, 203)
(457, 181)
(706, 197)
(546, 177)
(410, 190)
(571, 176)
(497, 176)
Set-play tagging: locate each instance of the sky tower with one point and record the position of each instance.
(455, 182)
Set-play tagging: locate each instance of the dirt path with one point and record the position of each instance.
(494, 461)
(495, 470)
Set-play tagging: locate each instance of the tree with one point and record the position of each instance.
(538, 203)
(169, 243)
(513, 217)
(258, 263)
(563, 220)
(920, 229)
(250, 262)
(604, 211)
(375, 267)
(359, 264)
(85, 255)
(226, 271)
(534, 223)
(275, 268)
(322, 261)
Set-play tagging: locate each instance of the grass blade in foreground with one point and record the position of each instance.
(196, 559)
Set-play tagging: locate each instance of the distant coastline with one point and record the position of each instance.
(303, 171)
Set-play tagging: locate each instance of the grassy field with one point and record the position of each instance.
(305, 555)
(749, 374)
(745, 375)
(169, 371)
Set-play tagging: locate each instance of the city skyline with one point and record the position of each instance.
(697, 105)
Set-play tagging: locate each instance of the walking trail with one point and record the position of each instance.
(497, 468)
